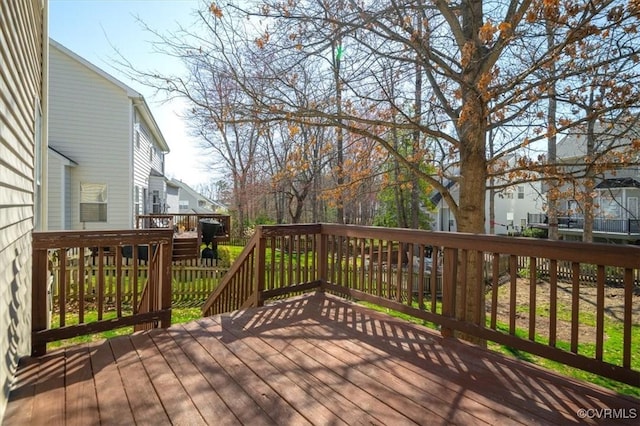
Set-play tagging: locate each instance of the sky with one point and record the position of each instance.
(93, 28)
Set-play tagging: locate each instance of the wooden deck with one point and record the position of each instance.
(313, 359)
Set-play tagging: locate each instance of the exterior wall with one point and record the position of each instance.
(91, 122)
(22, 25)
(147, 157)
(173, 199)
(510, 210)
(58, 178)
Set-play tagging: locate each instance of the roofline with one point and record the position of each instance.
(130, 92)
(141, 105)
(136, 97)
(75, 163)
(183, 185)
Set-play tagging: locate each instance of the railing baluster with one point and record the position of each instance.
(600, 312)
(575, 305)
(533, 279)
(553, 301)
(628, 318)
(513, 271)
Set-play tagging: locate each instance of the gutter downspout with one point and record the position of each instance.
(44, 142)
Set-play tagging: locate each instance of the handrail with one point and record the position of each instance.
(83, 255)
(435, 276)
(258, 273)
(241, 269)
(183, 222)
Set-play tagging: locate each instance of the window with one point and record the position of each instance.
(93, 202)
(184, 205)
(155, 202)
(521, 192)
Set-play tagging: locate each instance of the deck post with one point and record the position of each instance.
(260, 268)
(165, 280)
(39, 314)
(449, 279)
(323, 256)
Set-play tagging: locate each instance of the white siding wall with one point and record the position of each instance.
(514, 207)
(21, 37)
(90, 121)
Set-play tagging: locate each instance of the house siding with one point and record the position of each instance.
(147, 156)
(59, 190)
(90, 120)
(21, 37)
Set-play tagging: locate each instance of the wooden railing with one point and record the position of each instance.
(77, 261)
(183, 222)
(627, 226)
(427, 275)
(277, 261)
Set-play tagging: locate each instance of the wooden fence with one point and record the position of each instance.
(192, 280)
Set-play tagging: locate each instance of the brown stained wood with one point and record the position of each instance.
(533, 280)
(435, 261)
(628, 318)
(202, 395)
(600, 312)
(594, 253)
(314, 357)
(513, 272)
(575, 306)
(81, 399)
(479, 288)
(100, 282)
(142, 396)
(50, 408)
(553, 301)
(495, 272)
(342, 407)
(175, 400)
(62, 286)
(280, 398)
(225, 385)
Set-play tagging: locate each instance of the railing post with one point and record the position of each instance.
(260, 267)
(39, 314)
(449, 286)
(165, 280)
(323, 256)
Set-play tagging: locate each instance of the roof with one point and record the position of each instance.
(618, 183)
(69, 159)
(136, 97)
(195, 194)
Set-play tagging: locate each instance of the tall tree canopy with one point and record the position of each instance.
(461, 70)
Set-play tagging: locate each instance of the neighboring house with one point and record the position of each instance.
(616, 191)
(191, 201)
(511, 206)
(23, 127)
(107, 150)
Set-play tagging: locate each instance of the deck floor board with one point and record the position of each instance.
(313, 359)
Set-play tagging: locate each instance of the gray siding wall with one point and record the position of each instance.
(21, 24)
(91, 122)
(146, 157)
(59, 184)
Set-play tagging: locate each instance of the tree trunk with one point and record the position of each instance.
(552, 192)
